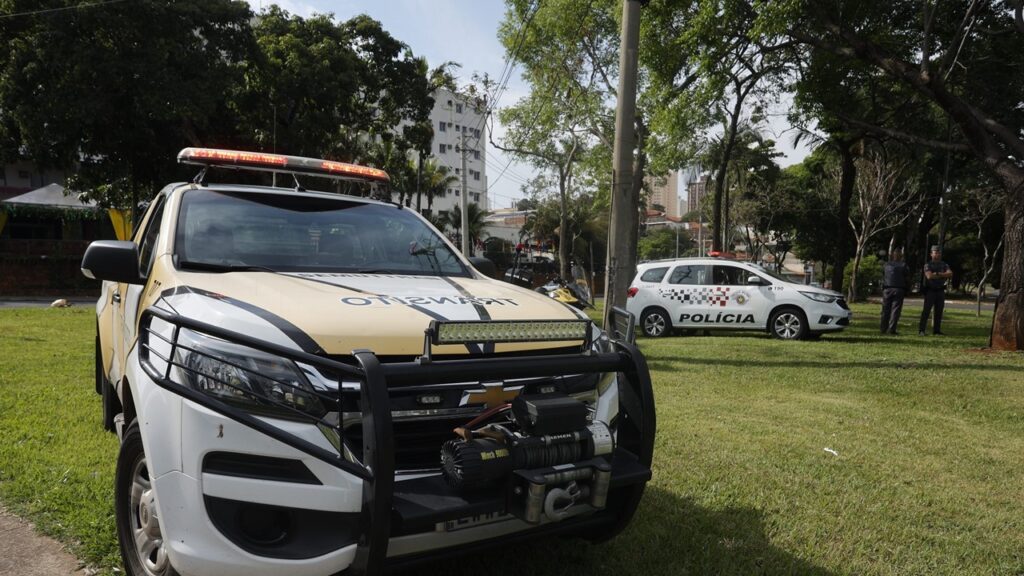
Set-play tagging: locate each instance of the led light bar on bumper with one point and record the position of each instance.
(456, 332)
(279, 163)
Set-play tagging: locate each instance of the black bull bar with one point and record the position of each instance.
(635, 426)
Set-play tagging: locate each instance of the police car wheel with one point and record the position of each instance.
(655, 323)
(788, 324)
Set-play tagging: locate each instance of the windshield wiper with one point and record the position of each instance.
(211, 267)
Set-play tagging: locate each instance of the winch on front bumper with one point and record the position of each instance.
(562, 480)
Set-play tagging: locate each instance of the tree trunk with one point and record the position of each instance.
(852, 292)
(723, 166)
(1008, 321)
(846, 183)
(563, 228)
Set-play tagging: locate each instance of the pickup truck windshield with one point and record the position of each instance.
(221, 231)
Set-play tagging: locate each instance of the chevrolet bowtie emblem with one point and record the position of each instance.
(493, 394)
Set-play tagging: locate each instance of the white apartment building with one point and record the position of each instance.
(452, 117)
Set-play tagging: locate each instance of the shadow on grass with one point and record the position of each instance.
(669, 362)
(907, 338)
(670, 535)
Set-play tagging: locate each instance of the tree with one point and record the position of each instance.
(665, 242)
(884, 195)
(720, 69)
(555, 147)
(117, 92)
(946, 55)
(978, 208)
(436, 180)
(334, 90)
(452, 220)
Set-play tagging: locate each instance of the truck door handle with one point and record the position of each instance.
(116, 298)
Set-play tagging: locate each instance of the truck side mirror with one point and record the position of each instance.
(484, 266)
(113, 260)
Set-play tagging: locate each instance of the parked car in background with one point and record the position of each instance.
(717, 294)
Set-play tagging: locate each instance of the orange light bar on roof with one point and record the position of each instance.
(209, 157)
(234, 156)
(355, 169)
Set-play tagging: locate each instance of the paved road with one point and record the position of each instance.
(42, 302)
(23, 552)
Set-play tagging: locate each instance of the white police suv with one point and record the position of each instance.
(715, 293)
(286, 370)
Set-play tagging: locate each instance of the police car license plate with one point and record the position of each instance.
(473, 521)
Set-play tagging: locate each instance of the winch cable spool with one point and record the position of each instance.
(482, 460)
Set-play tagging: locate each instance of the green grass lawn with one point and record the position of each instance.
(924, 472)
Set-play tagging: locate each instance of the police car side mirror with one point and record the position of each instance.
(754, 281)
(113, 260)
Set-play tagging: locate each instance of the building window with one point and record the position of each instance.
(458, 192)
(476, 132)
(458, 171)
(476, 176)
(457, 149)
(442, 126)
(449, 124)
(456, 127)
(476, 154)
(441, 147)
(476, 196)
(458, 108)
(449, 103)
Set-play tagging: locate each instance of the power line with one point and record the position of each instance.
(61, 9)
(510, 62)
(544, 102)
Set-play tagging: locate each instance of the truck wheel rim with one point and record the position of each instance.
(787, 325)
(654, 325)
(149, 543)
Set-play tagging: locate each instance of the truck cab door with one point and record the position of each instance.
(126, 297)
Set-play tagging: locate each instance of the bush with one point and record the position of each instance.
(869, 277)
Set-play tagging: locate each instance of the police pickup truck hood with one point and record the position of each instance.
(337, 313)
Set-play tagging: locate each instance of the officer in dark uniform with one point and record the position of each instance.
(936, 272)
(895, 279)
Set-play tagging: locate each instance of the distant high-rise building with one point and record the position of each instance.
(453, 116)
(665, 193)
(695, 192)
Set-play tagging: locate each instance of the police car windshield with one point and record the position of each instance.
(230, 231)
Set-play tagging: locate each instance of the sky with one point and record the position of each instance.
(465, 31)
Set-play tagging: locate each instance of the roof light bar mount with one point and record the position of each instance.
(278, 163)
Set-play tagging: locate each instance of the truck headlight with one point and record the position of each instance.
(244, 377)
(825, 298)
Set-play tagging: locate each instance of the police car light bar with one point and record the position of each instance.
(210, 157)
(468, 332)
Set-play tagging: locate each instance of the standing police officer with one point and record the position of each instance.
(894, 287)
(936, 272)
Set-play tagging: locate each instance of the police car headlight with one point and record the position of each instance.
(825, 298)
(244, 377)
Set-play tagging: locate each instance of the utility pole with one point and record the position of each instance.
(622, 233)
(419, 180)
(465, 199)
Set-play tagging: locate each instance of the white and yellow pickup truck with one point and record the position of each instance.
(312, 383)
